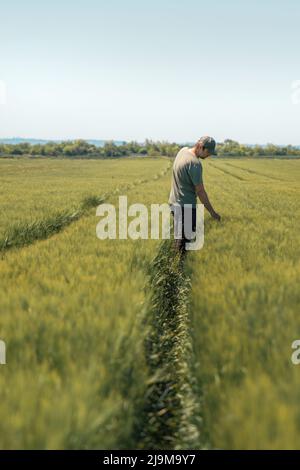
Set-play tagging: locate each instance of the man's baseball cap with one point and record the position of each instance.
(209, 143)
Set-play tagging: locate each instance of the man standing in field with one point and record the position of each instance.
(187, 184)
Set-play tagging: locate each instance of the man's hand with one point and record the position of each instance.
(200, 191)
(216, 216)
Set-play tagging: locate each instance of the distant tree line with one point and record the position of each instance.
(83, 148)
(151, 148)
(233, 148)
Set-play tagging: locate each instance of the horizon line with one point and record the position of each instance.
(138, 141)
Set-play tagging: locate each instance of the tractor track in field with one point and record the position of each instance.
(246, 198)
(228, 172)
(169, 416)
(24, 234)
(254, 172)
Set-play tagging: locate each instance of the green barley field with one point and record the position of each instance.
(118, 344)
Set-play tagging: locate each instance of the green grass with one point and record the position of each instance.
(245, 311)
(33, 190)
(114, 344)
(70, 308)
(52, 219)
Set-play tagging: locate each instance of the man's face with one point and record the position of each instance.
(201, 151)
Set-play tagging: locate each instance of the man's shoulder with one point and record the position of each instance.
(184, 152)
(186, 157)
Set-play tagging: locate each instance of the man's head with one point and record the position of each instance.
(205, 147)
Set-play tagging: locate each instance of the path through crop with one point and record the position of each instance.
(170, 415)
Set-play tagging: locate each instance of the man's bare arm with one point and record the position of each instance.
(202, 194)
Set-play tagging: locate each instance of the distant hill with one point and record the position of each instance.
(19, 140)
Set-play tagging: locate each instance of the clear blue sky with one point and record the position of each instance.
(160, 69)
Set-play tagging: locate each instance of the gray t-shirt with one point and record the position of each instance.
(187, 172)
